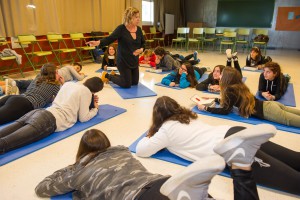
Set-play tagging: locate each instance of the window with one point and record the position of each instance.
(147, 12)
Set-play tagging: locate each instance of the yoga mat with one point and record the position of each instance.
(162, 85)
(67, 196)
(136, 91)
(205, 76)
(287, 99)
(251, 120)
(101, 70)
(105, 112)
(166, 155)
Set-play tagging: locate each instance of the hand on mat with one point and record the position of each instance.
(268, 96)
(93, 43)
(96, 100)
(201, 107)
(172, 84)
(214, 88)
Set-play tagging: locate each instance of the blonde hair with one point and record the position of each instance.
(148, 53)
(128, 14)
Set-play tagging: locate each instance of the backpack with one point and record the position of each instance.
(261, 38)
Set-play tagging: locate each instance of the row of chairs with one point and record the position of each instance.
(229, 37)
(153, 38)
(36, 56)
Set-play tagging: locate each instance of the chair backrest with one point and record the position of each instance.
(182, 32)
(243, 31)
(54, 37)
(219, 30)
(26, 39)
(260, 31)
(3, 42)
(210, 30)
(76, 36)
(229, 30)
(229, 34)
(198, 31)
(153, 30)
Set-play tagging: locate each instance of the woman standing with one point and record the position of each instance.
(131, 43)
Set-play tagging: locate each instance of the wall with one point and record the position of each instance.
(206, 11)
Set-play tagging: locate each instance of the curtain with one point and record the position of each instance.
(61, 16)
(159, 11)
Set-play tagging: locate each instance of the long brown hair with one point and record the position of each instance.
(166, 108)
(106, 54)
(276, 69)
(191, 77)
(231, 84)
(92, 143)
(48, 74)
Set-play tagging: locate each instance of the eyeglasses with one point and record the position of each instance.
(183, 69)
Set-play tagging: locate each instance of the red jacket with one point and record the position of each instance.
(152, 60)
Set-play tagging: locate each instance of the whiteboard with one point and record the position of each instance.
(169, 24)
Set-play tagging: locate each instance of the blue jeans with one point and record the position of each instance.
(32, 127)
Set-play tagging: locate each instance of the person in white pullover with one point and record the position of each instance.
(73, 101)
(177, 129)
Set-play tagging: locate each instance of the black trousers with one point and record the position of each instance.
(284, 171)
(185, 59)
(127, 77)
(13, 107)
(236, 65)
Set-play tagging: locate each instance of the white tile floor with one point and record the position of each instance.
(19, 178)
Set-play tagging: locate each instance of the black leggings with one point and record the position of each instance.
(13, 107)
(186, 59)
(127, 77)
(284, 171)
(236, 65)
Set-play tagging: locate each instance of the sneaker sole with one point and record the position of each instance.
(257, 132)
(195, 171)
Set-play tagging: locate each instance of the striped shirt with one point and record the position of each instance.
(42, 94)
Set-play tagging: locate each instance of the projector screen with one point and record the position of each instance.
(169, 24)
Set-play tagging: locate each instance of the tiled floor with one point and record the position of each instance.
(19, 178)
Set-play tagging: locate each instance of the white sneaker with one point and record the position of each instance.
(240, 148)
(228, 53)
(11, 87)
(193, 181)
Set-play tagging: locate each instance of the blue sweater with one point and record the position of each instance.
(183, 82)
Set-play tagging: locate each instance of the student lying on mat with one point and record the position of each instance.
(272, 83)
(38, 94)
(185, 76)
(105, 172)
(148, 57)
(176, 128)
(235, 93)
(212, 82)
(69, 72)
(166, 62)
(71, 103)
(110, 57)
(255, 59)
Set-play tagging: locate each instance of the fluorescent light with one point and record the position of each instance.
(31, 6)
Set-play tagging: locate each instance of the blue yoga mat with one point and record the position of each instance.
(101, 70)
(166, 155)
(162, 85)
(205, 76)
(105, 112)
(251, 120)
(136, 91)
(249, 70)
(67, 196)
(287, 99)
